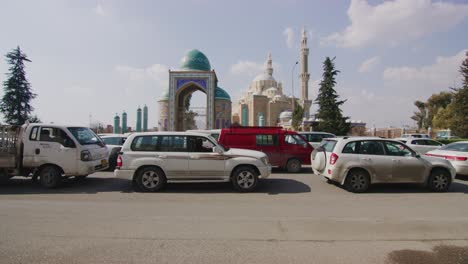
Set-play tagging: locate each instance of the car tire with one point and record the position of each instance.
(357, 181)
(439, 180)
(244, 179)
(113, 159)
(50, 177)
(150, 179)
(294, 166)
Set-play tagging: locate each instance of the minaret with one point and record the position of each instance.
(116, 124)
(145, 118)
(305, 74)
(124, 122)
(138, 122)
(269, 65)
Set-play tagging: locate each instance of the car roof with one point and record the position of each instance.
(169, 133)
(112, 135)
(315, 132)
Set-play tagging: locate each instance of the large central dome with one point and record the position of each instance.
(195, 60)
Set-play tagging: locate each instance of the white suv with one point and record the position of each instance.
(152, 159)
(357, 162)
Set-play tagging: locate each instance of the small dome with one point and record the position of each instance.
(164, 95)
(264, 77)
(285, 115)
(195, 60)
(220, 93)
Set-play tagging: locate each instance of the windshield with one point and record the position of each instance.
(85, 136)
(463, 147)
(113, 141)
(294, 139)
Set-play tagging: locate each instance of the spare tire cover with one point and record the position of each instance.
(319, 162)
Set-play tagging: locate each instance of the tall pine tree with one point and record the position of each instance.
(460, 104)
(15, 104)
(329, 112)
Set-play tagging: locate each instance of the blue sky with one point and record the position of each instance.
(101, 57)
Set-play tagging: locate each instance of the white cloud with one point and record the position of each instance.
(152, 77)
(369, 64)
(440, 75)
(99, 10)
(393, 22)
(250, 68)
(289, 34)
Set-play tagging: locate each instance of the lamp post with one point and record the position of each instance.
(292, 86)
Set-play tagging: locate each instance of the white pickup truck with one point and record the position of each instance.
(49, 152)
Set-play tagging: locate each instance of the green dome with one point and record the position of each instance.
(220, 93)
(195, 60)
(164, 95)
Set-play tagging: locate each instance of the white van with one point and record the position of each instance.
(50, 152)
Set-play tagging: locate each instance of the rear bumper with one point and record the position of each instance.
(124, 174)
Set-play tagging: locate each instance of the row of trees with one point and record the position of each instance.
(15, 104)
(329, 112)
(447, 109)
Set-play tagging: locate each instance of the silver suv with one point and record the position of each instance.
(357, 162)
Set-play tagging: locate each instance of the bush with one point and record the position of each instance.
(448, 141)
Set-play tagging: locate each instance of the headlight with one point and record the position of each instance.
(264, 160)
(85, 155)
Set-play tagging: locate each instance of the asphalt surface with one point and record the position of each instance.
(291, 218)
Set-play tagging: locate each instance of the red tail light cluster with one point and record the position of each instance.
(333, 159)
(454, 158)
(119, 161)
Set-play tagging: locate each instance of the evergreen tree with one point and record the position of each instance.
(15, 104)
(460, 104)
(329, 112)
(297, 116)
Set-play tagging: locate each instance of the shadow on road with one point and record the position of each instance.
(92, 185)
(457, 187)
(440, 255)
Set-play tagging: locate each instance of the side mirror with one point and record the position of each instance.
(68, 143)
(417, 155)
(218, 150)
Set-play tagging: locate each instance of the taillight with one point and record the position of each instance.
(333, 159)
(454, 158)
(119, 161)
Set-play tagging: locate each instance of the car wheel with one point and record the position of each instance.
(293, 165)
(150, 179)
(244, 179)
(439, 180)
(50, 177)
(113, 159)
(357, 181)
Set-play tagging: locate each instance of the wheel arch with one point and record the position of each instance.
(147, 166)
(345, 174)
(244, 165)
(40, 168)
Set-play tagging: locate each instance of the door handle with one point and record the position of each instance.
(161, 156)
(37, 151)
(396, 160)
(194, 157)
(366, 158)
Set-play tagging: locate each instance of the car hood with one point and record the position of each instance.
(245, 152)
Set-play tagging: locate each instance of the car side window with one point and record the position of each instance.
(350, 148)
(34, 131)
(173, 144)
(294, 140)
(145, 143)
(397, 149)
(57, 135)
(420, 142)
(200, 144)
(433, 143)
(266, 140)
(371, 147)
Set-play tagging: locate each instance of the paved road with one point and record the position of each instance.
(292, 218)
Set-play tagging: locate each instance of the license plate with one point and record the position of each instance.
(104, 163)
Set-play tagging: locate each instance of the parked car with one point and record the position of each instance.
(50, 152)
(421, 145)
(445, 134)
(358, 162)
(212, 132)
(152, 159)
(314, 138)
(415, 135)
(114, 142)
(456, 153)
(285, 149)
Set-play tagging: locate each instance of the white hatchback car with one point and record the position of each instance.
(421, 145)
(152, 159)
(456, 153)
(358, 162)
